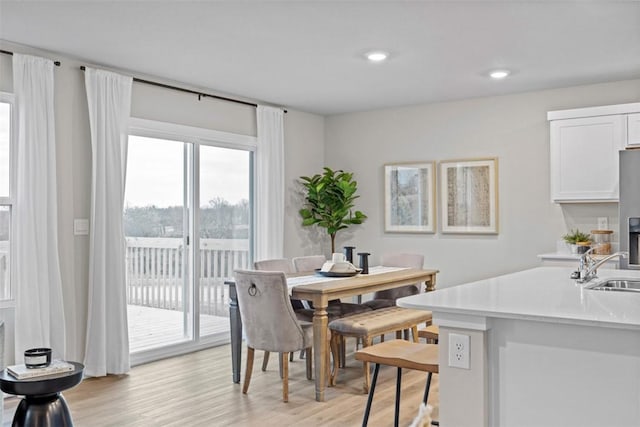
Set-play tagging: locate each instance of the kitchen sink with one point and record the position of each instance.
(622, 285)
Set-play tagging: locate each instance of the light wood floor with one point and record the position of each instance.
(197, 390)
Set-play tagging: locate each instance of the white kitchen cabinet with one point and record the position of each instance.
(633, 130)
(584, 158)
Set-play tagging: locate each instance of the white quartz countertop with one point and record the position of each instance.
(543, 294)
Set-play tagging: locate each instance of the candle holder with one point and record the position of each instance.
(364, 262)
(348, 253)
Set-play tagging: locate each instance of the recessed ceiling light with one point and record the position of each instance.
(499, 74)
(376, 56)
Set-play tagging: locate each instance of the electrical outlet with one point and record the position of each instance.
(459, 351)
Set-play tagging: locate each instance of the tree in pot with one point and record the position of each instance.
(329, 202)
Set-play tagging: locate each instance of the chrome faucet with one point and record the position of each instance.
(588, 269)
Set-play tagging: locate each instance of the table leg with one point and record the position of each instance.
(320, 348)
(431, 283)
(236, 332)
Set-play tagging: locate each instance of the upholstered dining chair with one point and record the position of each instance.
(269, 322)
(279, 264)
(387, 298)
(308, 263)
(284, 265)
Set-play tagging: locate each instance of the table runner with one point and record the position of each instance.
(316, 278)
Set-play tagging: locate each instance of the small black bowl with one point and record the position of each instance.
(37, 357)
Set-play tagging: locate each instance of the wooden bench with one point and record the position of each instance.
(370, 324)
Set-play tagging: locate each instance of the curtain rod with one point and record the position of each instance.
(200, 94)
(6, 52)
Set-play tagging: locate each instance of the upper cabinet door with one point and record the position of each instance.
(633, 130)
(584, 158)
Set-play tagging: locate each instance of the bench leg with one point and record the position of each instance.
(365, 420)
(426, 390)
(366, 342)
(396, 419)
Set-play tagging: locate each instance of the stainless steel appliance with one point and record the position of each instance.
(629, 208)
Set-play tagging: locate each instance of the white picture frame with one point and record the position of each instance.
(469, 196)
(409, 197)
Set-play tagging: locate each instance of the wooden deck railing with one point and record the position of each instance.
(156, 272)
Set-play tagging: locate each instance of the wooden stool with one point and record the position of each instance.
(401, 354)
(430, 333)
(370, 324)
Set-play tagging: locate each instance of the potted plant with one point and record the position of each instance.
(578, 241)
(329, 202)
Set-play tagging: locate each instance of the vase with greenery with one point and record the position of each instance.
(329, 202)
(578, 241)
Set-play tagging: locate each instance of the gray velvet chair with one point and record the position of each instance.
(284, 265)
(279, 264)
(269, 322)
(387, 298)
(308, 263)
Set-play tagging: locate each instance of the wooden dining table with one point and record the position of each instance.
(319, 290)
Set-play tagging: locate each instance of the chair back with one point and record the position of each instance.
(308, 263)
(400, 260)
(280, 264)
(269, 322)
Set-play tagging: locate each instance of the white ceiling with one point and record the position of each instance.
(306, 55)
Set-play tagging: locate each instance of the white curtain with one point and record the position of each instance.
(270, 183)
(39, 320)
(109, 101)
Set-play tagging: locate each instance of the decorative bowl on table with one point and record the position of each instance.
(338, 269)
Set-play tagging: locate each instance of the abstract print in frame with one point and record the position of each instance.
(469, 196)
(409, 197)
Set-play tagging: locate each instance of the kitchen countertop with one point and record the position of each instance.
(541, 294)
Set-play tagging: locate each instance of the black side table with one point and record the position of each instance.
(43, 405)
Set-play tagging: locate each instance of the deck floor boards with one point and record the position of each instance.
(154, 327)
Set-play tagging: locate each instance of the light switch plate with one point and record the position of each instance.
(80, 227)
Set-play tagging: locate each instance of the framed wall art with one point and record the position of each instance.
(409, 197)
(469, 196)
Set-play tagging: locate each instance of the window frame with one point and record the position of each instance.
(9, 98)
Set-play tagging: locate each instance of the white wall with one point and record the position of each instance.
(304, 155)
(304, 137)
(513, 128)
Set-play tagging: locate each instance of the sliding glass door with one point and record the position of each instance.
(224, 228)
(178, 258)
(156, 230)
